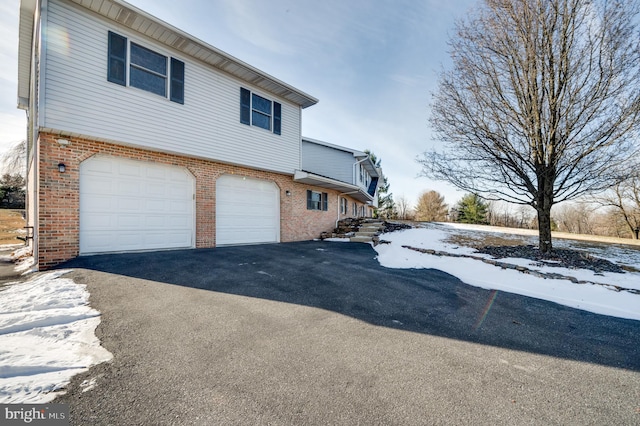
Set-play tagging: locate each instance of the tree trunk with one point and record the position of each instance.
(544, 230)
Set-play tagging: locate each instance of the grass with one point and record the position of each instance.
(11, 226)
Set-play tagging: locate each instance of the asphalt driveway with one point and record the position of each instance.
(319, 333)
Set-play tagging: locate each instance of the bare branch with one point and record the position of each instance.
(542, 104)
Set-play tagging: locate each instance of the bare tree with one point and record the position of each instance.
(624, 199)
(14, 161)
(576, 218)
(431, 207)
(403, 207)
(542, 103)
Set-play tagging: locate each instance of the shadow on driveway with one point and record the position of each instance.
(345, 278)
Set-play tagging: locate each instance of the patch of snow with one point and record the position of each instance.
(47, 335)
(593, 298)
(338, 240)
(22, 257)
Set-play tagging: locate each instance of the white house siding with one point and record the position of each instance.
(79, 99)
(326, 161)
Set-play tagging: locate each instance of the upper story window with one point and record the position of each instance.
(145, 69)
(365, 179)
(261, 112)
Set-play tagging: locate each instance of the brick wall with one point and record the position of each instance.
(59, 196)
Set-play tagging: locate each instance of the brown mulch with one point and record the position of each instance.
(572, 259)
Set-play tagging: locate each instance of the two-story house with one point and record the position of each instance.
(142, 137)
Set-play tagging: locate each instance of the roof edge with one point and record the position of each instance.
(301, 98)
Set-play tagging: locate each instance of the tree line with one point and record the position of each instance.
(615, 213)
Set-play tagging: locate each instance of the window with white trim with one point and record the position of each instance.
(256, 110)
(365, 178)
(317, 200)
(343, 206)
(131, 64)
(354, 210)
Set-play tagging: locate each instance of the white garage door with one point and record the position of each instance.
(128, 205)
(247, 211)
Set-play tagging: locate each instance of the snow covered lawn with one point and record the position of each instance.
(601, 299)
(47, 335)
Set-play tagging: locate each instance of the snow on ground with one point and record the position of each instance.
(589, 297)
(23, 258)
(47, 335)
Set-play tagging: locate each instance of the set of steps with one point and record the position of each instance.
(368, 230)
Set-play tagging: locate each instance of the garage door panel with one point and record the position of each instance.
(130, 222)
(99, 165)
(130, 169)
(125, 206)
(130, 188)
(247, 211)
(96, 185)
(99, 221)
(157, 173)
(157, 189)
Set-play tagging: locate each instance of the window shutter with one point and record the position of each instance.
(245, 106)
(309, 200)
(277, 121)
(117, 61)
(325, 203)
(177, 81)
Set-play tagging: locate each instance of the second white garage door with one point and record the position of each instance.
(247, 211)
(128, 205)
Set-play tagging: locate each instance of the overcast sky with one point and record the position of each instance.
(372, 65)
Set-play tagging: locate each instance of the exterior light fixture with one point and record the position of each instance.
(62, 167)
(63, 142)
(288, 193)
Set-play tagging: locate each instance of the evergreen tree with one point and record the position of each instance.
(12, 191)
(386, 205)
(472, 209)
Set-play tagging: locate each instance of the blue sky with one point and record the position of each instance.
(372, 65)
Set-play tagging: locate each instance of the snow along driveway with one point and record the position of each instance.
(46, 337)
(601, 299)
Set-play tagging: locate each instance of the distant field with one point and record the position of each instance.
(11, 225)
(622, 251)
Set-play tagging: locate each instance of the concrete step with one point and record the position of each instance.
(373, 223)
(369, 229)
(366, 233)
(361, 239)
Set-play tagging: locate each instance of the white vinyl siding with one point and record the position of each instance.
(79, 99)
(328, 162)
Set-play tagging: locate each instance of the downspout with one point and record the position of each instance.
(34, 130)
(355, 175)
